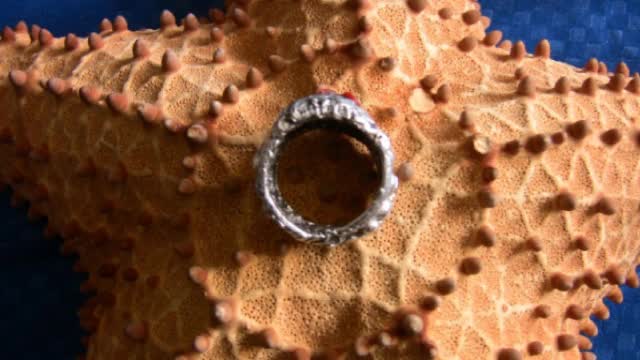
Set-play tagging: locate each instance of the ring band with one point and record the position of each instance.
(333, 112)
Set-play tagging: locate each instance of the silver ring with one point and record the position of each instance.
(334, 112)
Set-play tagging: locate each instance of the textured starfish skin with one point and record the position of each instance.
(514, 218)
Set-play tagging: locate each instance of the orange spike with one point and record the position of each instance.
(307, 53)
(118, 102)
(276, 63)
(632, 280)
(445, 13)
(170, 62)
(492, 38)
(589, 87)
(467, 44)
(602, 69)
(240, 17)
(219, 56)
(563, 86)
(18, 78)
(428, 82)
(254, 78)
(615, 295)
(202, 343)
(8, 35)
(330, 46)
(591, 65)
(45, 38)
(58, 86)
(634, 85)
(471, 17)
(443, 95)
(543, 49)
(140, 49)
(34, 33)
(71, 42)
(617, 82)
(198, 133)
(518, 51)
(526, 87)
(417, 5)
(21, 27)
(90, 95)
(167, 20)
(95, 41)
(231, 94)
(106, 25)
(217, 34)
(191, 23)
(120, 24)
(151, 114)
(506, 45)
(215, 109)
(623, 69)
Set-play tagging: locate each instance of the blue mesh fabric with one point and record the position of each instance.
(40, 293)
(577, 29)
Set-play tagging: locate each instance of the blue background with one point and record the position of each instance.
(40, 294)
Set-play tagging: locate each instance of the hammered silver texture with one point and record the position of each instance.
(331, 112)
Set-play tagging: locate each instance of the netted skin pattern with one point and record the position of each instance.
(517, 211)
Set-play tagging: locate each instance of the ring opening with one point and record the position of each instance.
(328, 175)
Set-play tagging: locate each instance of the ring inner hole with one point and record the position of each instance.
(327, 176)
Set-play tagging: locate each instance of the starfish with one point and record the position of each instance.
(517, 211)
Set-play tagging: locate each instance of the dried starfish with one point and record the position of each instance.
(517, 212)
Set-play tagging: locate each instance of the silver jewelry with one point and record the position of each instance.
(325, 111)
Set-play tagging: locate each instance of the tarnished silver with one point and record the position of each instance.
(333, 112)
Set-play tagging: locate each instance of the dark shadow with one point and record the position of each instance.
(40, 292)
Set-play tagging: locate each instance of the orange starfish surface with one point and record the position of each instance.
(516, 214)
